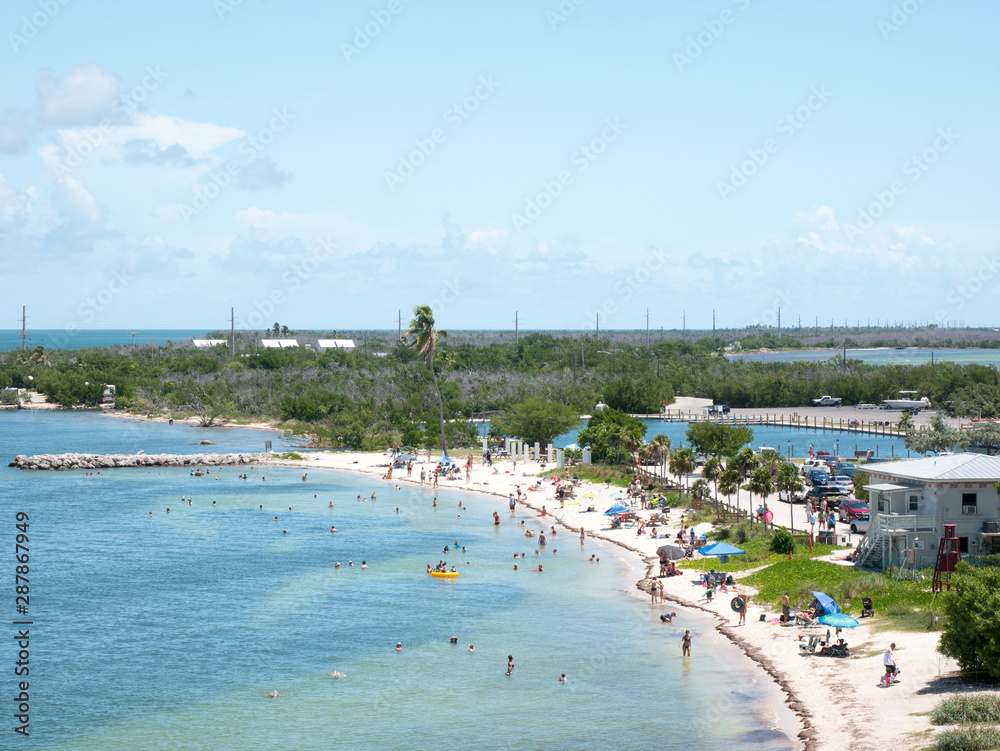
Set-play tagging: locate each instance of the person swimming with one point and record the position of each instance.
(336, 564)
(337, 675)
(274, 694)
(399, 646)
(364, 565)
(562, 678)
(472, 648)
(510, 664)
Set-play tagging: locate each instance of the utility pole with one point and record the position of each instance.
(647, 328)
(583, 357)
(683, 325)
(24, 327)
(232, 330)
(779, 322)
(817, 325)
(399, 334)
(515, 328)
(598, 316)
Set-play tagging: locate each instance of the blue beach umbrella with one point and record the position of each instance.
(617, 495)
(618, 508)
(838, 620)
(571, 447)
(826, 603)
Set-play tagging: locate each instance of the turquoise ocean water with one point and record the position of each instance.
(168, 632)
(84, 338)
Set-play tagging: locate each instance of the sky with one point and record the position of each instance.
(575, 163)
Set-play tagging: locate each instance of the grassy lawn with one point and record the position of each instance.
(902, 604)
(758, 554)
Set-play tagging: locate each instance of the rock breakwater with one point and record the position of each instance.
(112, 461)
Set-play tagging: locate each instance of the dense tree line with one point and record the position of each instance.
(373, 399)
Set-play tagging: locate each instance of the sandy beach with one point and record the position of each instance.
(838, 701)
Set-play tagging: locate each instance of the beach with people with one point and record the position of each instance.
(838, 703)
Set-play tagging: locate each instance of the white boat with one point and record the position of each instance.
(906, 401)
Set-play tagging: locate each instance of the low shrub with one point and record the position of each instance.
(967, 708)
(972, 738)
(782, 542)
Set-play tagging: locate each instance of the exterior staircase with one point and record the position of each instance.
(889, 535)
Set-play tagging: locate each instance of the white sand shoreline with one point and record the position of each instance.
(837, 703)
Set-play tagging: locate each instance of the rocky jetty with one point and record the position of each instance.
(111, 461)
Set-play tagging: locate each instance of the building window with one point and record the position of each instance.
(881, 503)
(914, 502)
(969, 503)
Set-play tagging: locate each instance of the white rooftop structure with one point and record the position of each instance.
(950, 468)
(279, 343)
(202, 343)
(336, 343)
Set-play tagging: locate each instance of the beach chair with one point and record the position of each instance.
(809, 648)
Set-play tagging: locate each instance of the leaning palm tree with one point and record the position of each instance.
(425, 340)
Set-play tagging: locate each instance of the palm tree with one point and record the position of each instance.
(425, 342)
(729, 485)
(276, 328)
(660, 446)
(711, 471)
(285, 331)
(700, 491)
(905, 424)
(790, 482)
(39, 357)
(681, 464)
(761, 483)
(632, 440)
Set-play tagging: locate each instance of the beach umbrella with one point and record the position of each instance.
(838, 620)
(590, 495)
(702, 529)
(617, 495)
(826, 603)
(571, 447)
(670, 552)
(618, 508)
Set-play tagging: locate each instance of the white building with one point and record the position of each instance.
(336, 343)
(203, 343)
(911, 501)
(279, 343)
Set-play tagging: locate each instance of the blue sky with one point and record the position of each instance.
(326, 164)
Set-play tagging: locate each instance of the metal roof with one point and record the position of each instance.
(967, 467)
(888, 487)
(336, 343)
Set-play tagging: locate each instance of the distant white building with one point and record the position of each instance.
(203, 343)
(279, 343)
(911, 501)
(336, 343)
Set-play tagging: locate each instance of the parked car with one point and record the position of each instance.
(812, 464)
(843, 468)
(852, 508)
(823, 492)
(841, 480)
(719, 409)
(817, 476)
(824, 455)
(827, 401)
(861, 524)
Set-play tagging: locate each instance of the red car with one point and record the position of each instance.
(851, 509)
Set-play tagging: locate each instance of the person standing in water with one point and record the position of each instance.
(686, 644)
(510, 664)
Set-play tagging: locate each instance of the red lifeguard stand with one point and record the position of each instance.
(947, 559)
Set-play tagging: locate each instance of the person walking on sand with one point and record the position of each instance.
(786, 608)
(686, 644)
(743, 610)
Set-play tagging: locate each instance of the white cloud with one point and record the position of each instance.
(84, 96)
(263, 173)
